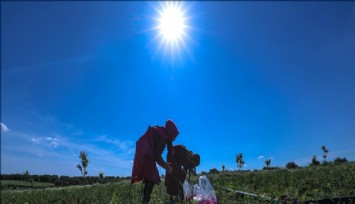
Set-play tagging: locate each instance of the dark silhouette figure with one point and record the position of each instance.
(182, 161)
(149, 149)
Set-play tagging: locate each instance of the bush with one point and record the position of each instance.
(325, 163)
(271, 168)
(339, 161)
(213, 171)
(291, 165)
(315, 162)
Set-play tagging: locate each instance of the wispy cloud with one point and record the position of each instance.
(260, 157)
(53, 142)
(340, 152)
(4, 128)
(35, 141)
(32, 147)
(122, 145)
(62, 142)
(48, 141)
(331, 155)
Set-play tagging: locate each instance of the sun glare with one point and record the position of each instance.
(171, 26)
(171, 23)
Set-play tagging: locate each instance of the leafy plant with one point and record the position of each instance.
(325, 152)
(84, 163)
(267, 163)
(240, 161)
(315, 162)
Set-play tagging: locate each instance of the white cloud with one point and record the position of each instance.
(260, 157)
(4, 128)
(42, 146)
(54, 144)
(50, 141)
(35, 141)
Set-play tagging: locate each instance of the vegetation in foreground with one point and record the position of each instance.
(301, 184)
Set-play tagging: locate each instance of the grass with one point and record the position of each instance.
(121, 192)
(311, 183)
(300, 184)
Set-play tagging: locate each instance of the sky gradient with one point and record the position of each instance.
(266, 79)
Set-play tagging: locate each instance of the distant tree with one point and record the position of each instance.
(325, 152)
(58, 183)
(239, 160)
(267, 163)
(291, 165)
(213, 171)
(28, 178)
(101, 176)
(315, 162)
(339, 160)
(223, 167)
(84, 163)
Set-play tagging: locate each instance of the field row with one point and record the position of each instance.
(301, 184)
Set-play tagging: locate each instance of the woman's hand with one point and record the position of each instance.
(168, 168)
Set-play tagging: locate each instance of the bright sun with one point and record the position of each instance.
(171, 25)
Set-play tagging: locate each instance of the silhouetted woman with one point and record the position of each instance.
(149, 149)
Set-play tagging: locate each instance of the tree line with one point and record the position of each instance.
(66, 180)
(290, 165)
(61, 180)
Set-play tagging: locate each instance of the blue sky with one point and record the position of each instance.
(266, 79)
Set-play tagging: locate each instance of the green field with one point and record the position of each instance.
(308, 183)
(11, 184)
